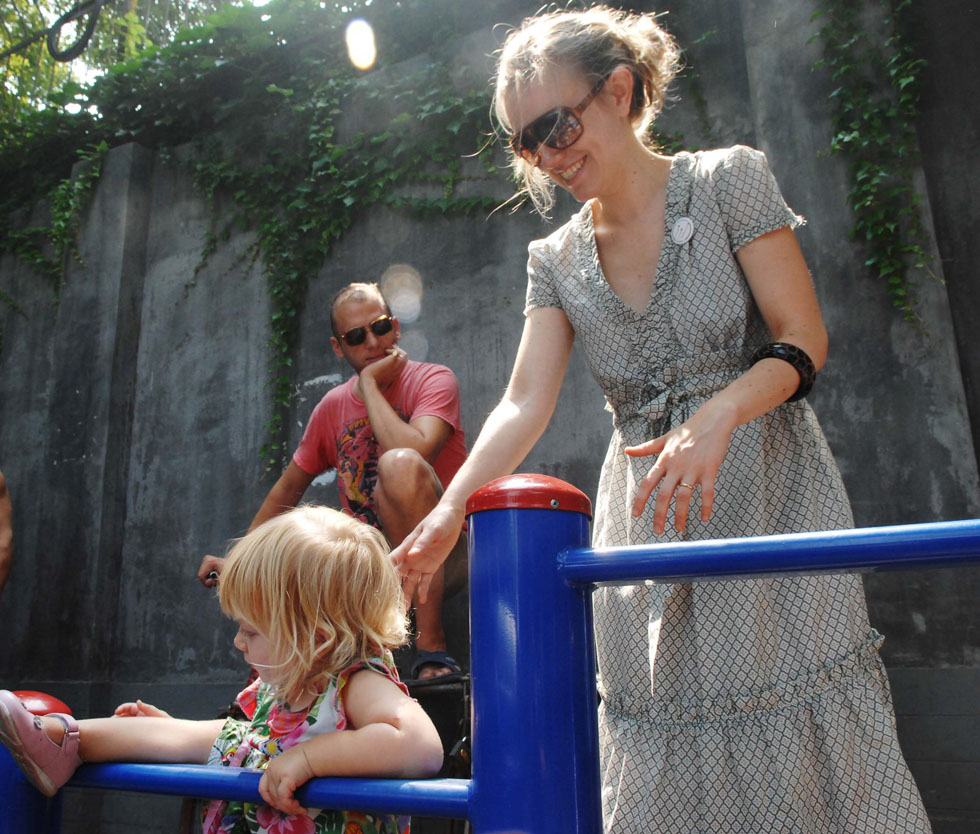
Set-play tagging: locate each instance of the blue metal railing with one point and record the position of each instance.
(534, 735)
(836, 551)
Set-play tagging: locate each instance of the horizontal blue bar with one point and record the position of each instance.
(837, 551)
(425, 797)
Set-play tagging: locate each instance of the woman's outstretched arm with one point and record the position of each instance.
(508, 434)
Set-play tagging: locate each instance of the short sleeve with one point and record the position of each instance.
(248, 698)
(384, 666)
(749, 197)
(541, 288)
(316, 453)
(438, 396)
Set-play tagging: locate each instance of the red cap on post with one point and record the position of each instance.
(529, 492)
(40, 703)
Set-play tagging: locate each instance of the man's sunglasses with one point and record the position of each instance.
(558, 129)
(381, 326)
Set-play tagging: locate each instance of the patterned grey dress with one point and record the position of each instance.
(735, 707)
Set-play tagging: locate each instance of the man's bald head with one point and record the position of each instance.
(358, 291)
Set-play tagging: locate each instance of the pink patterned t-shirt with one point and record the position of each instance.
(339, 436)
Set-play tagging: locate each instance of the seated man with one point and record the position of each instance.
(393, 433)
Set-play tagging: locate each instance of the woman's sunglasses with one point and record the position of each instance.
(381, 326)
(558, 129)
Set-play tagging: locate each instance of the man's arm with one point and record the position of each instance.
(285, 494)
(6, 533)
(426, 435)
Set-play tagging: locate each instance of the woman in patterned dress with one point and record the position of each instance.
(319, 608)
(742, 706)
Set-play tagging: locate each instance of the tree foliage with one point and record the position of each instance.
(125, 27)
(29, 76)
(210, 77)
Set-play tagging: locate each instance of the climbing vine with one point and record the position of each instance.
(301, 206)
(875, 107)
(67, 201)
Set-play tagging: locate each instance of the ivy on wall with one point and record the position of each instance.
(875, 107)
(262, 95)
(301, 203)
(67, 201)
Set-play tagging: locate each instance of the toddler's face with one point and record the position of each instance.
(258, 652)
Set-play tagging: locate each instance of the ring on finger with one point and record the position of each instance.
(686, 486)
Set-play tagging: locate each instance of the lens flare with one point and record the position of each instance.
(401, 285)
(360, 44)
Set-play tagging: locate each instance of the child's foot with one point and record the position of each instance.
(46, 763)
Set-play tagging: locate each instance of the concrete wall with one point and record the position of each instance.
(938, 710)
(132, 410)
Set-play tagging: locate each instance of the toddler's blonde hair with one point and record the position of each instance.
(321, 588)
(592, 42)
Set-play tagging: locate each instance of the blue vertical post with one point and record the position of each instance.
(23, 808)
(534, 734)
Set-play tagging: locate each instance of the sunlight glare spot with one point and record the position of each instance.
(401, 285)
(360, 44)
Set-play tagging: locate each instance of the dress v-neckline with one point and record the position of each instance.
(655, 284)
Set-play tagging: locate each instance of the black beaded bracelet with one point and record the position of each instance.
(797, 357)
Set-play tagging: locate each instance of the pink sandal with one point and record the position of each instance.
(47, 765)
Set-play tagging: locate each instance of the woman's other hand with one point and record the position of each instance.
(688, 458)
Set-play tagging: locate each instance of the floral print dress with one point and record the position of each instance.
(272, 729)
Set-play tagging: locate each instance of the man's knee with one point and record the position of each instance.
(405, 474)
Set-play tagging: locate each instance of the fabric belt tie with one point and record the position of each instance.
(653, 417)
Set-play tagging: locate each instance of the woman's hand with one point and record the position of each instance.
(139, 708)
(285, 774)
(426, 548)
(688, 457)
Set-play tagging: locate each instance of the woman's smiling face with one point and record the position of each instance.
(585, 167)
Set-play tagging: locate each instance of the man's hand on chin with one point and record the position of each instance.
(382, 372)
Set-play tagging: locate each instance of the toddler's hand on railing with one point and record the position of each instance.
(285, 774)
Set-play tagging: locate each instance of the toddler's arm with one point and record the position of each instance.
(390, 735)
